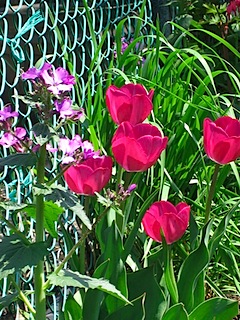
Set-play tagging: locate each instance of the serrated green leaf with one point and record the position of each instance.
(16, 254)
(9, 205)
(7, 300)
(19, 159)
(66, 199)
(75, 279)
(42, 133)
(41, 190)
(215, 308)
(51, 214)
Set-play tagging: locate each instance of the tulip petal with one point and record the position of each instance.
(219, 143)
(89, 176)
(164, 218)
(137, 148)
(151, 226)
(130, 103)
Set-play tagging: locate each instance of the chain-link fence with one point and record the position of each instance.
(34, 31)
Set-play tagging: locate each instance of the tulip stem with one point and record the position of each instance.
(211, 192)
(119, 217)
(82, 246)
(169, 276)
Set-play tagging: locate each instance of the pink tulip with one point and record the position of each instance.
(130, 103)
(89, 176)
(222, 139)
(137, 148)
(163, 218)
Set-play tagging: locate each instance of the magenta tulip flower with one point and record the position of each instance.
(130, 103)
(163, 218)
(137, 148)
(89, 176)
(222, 139)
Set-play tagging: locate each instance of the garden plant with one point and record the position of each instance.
(148, 170)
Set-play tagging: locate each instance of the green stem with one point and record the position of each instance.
(211, 192)
(83, 244)
(59, 175)
(40, 295)
(169, 272)
(119, 218)
(22, 296)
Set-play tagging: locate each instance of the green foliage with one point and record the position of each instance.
(19, 159)
(75, 279)
(194, 74)
(72, 309)
(17, 253)
(176, 311)
(51, 214)
(216, 308)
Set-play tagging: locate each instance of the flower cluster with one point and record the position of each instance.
(53, 85)
(233, 8)
(11, 137)
(136, 146)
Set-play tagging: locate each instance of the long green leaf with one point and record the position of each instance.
(215, 308)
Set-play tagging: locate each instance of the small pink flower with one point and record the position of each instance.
(64, 108)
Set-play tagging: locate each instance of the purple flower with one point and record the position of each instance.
(13, 139)
(68, 147)
(64, 107)
(88, 151)
(7, 113)
(131, 187)
(33, 73)
(57, 80)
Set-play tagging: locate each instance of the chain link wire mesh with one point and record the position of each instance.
(34, 31)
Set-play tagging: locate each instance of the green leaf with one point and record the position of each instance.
(176, 312)
(136, 311)
(66, 199)
(16, 254)
(144, 282)
(7, 300)
(19, 159)
(42, 133)
(51, 214)
(9, 205)
(72, 310)
(215, 308)
(75, 279)
(192, 268)
(169, 273)
(220, 230)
